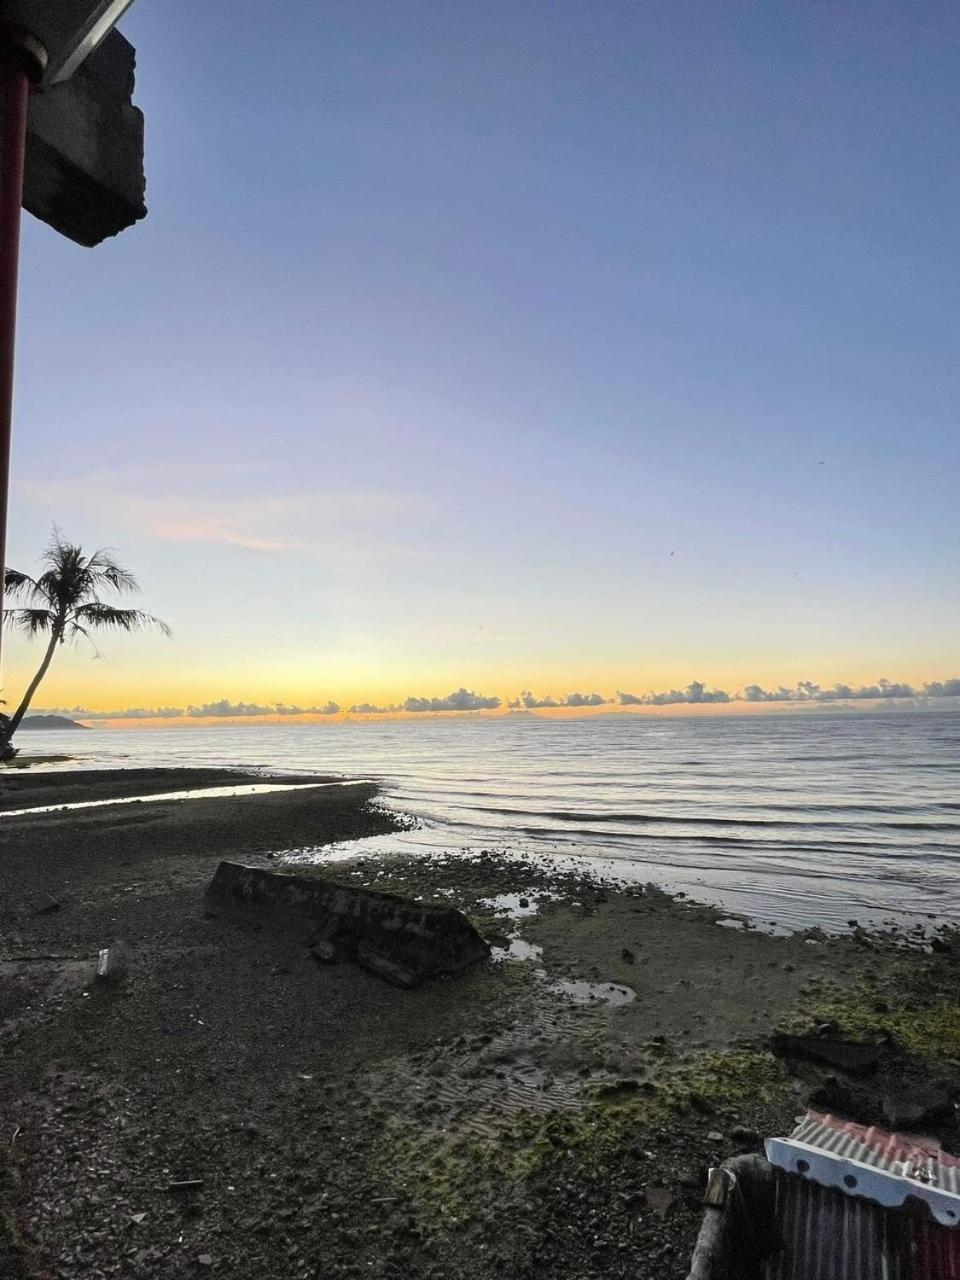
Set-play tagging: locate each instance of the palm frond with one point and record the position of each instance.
(105, 616)
(32, 622)
(103, 571)
(74, 631)
(52, 587)
(17, 584)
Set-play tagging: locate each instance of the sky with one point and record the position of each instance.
(563, 345)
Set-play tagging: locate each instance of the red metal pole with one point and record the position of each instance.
(14, 91)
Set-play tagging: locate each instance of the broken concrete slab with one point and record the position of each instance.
(402, 941)
(83, 169)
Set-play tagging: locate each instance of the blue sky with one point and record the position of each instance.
(553, 345)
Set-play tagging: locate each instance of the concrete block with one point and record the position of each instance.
(403, 941)
(83, 172)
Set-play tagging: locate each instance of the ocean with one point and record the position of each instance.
(793, 819)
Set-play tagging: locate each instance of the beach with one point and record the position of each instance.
(229, 1106)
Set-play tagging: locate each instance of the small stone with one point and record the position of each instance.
(660, 1200)
(627, 955)
(205, 1260)
(714, 1136)
(524, 903)
(137, 1218)
(746, 1136)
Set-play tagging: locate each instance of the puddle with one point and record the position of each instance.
(594, 992)
(202, 793)
(518, 949)
(516, 905)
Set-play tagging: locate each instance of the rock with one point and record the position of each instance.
(745, 1136)
(524, 903)
(909, 1108)
(627, 955)
(846, 1099)
(660, 1199)
(205, 1260)
(849, 1056)
(715, 1136)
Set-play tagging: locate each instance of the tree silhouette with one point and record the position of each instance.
(64, 604)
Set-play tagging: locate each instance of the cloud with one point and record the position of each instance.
(344, 528)
(585, 700)
(942, 689)
(530, 700)
(222, 708)
(460, 700)
(129, 713)
(802, 691)
(808, 691)
(695, 692)
(805, 691)
(226, 708)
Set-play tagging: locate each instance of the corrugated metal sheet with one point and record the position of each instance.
(833, 1232)
(913, 1157)
(827, 1235)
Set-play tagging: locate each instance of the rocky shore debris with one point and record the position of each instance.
(849, 1056)
(401, 940)
(876, 1083)
(112, 962)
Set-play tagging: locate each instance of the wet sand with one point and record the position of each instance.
(491, 1125)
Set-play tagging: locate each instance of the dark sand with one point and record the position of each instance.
(486, 1126)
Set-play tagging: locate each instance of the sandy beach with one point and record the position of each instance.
(551, 1113)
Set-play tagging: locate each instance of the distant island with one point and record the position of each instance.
(50, 722)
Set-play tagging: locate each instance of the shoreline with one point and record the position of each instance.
(497, 1124)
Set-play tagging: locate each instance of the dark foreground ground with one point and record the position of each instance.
(329, 1124)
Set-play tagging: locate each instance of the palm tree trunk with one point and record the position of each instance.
(33, 685)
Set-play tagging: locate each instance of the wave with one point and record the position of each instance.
(795, 823)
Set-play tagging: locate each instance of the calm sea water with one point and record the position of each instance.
(798, 819)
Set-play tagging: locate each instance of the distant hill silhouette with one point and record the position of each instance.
(50, 722)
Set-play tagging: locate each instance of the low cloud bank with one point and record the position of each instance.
(803, 691)
(222, 708)
(696, 691)
(226, 708)
(530, 701)
(463, 699)
(460, 700)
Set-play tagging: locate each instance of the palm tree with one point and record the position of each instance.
(63, 603)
